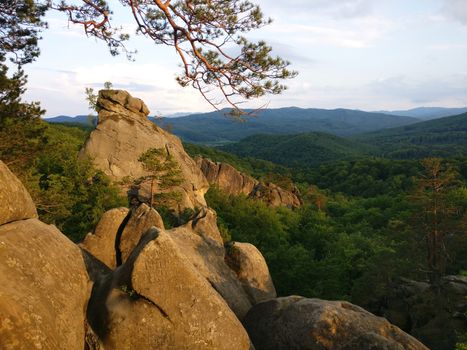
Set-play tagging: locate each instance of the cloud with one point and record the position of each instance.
(359, 33)
(456, 9)
(423, 91)
(334, 9)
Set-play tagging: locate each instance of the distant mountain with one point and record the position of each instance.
(445, 137)
(427, 113)
(79, 119)
(301, 150)
(217, 128)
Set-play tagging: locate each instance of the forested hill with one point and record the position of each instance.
(307, 149)
(215, 127)
(445, 137)
(427, 113)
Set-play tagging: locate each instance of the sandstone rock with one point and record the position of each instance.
(208, 260)
(15, 201)
(252, 271)
(175, 307)
(226, 177)
(43, 288)
(231, 181)
(205, 225)
(137, 324)
(435, 315)
(275, 196)
(124, 133)
(139, 223)
(101, 243)
(300, 323)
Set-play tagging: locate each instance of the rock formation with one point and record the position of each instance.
(44, 286)
(124, 133)
(101, 242)
(252, 271)
(135, 285)
(15, 201)
(313, 324)
(231, 181)
(226, 177)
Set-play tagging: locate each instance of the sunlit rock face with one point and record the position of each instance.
(124, 133)
(44, 287)
(231, 181)
(312, 324)
(15, 201)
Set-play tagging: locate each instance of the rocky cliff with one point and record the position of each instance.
(231, 181)
(124, 133)
(132, 284)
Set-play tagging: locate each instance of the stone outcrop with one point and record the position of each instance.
(101, 242)
(43, 288)
(15, 201)
(276, 196)
(207, 258)
(141, 220)
(233, 182)
(226, 177)
(123, 133)
(314, 324)
(252, 271)
(435, 315)
(174, 307)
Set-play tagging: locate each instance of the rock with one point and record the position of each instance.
(207, 258)
(139, 223)
(205, 225)
(137, 324)
(252, 271)
(275, 196)
(231, 181)
(435, 315)
(101, 243)
(15, 201)
(173, 307)
(123, 133)
(43, 288)
(300, 323)
(226, 177)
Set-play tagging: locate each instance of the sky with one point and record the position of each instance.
(360, 54)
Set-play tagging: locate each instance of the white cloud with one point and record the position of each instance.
(456, 9)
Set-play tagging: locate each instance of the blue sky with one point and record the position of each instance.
(362, 54)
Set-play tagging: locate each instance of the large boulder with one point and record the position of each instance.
(123, 133)
(313, 324)
(252, 271)
(434, 314)
(205, 225)
(43, 288)
(141, 220)
(15, 201)
(168, 305)
(207, 258)
(101, 242)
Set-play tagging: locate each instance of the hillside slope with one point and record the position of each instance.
(301, 150)
(441, 137)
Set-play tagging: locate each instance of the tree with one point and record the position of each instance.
(436, 213)
(164, 171)
(207, 35)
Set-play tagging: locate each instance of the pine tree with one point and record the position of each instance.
(164, 172)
